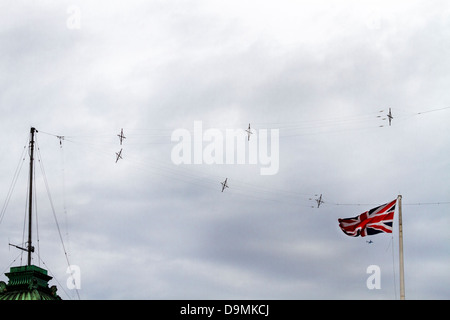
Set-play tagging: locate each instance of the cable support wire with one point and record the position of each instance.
(101, 146)
(208, 181)
(376, 204)
(51, 204)
(310, 126)
(434, 110)
(19, 255)
(56, 279)
(326, 125)
(13, 183)
(192, 175)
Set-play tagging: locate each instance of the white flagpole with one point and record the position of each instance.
(400, 248)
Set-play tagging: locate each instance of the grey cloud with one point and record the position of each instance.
(155, 67)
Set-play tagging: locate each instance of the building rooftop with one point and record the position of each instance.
(28, 283)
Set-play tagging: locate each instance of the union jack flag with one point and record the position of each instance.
(376, 220)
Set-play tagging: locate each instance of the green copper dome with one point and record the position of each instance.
(27, 283)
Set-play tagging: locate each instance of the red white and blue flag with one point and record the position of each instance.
(376, 220)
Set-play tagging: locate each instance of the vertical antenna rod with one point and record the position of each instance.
(30, 248)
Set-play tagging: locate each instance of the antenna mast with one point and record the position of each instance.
(30, 248)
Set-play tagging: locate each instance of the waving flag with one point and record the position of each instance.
(376, 220)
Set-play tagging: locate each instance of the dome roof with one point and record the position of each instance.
(27, 283)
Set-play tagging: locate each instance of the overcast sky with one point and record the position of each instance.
(323, 74)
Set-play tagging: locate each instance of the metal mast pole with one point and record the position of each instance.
(400, 249)
(30, 248)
